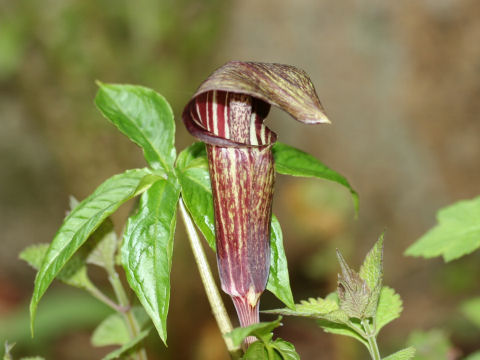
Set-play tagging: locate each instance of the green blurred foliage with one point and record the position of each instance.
(60, 313)
(430, 345)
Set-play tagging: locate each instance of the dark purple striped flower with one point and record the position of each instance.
(227, 113)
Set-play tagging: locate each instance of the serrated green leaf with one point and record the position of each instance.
(279, 279)
(310, 308)
(456, 234)
(372, 268)
(262, 331)
(128, 347)
(405, 354)
(353, 291)
(256, 351)
(430, 345)
(144, 116)
(372, 272)
(292, 161)
(471, 309)
(83, 221)
(114, 331)
(285, 349)
(147, 250)
(389, 308)
(74, 273)
(474, 356)
(192, 171)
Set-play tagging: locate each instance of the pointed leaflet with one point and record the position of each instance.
(144, 116)
(278, 279)
(456, 234)
(82, 222)
(294, 162)
(353, 291)
(192, 171)
(372, 272)
(147, 250)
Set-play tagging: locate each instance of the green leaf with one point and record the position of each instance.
(285, 349)
(405, 354)
(278, 279)
(310, 308)
(471, 309)
(74, 273)
(430, 345)
(353, 291)
(456, 234)
(147, 250)
(256, 351)
(292, 161)
(372, 272)
(372, 268)
(262, 331)
(83, 221)
(128, 347)
(111, 331)
(33, 358)
(341, 329)
(114, 331)
(144, 116)
(192, 171)
(103, 253)
(389, 308)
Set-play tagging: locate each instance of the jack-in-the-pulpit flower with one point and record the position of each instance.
(227, 113)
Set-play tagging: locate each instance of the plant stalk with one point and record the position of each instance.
(213, 295)
(132, 324)
(372, 340)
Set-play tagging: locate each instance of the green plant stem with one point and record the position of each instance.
(372, 340)
(216, 303)
(97, 294)
(132, 324)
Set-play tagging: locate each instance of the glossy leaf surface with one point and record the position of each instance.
(147, 250)
(84, 220)
(295, 162)
(144, 116)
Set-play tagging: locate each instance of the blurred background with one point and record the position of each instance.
(399, 80)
